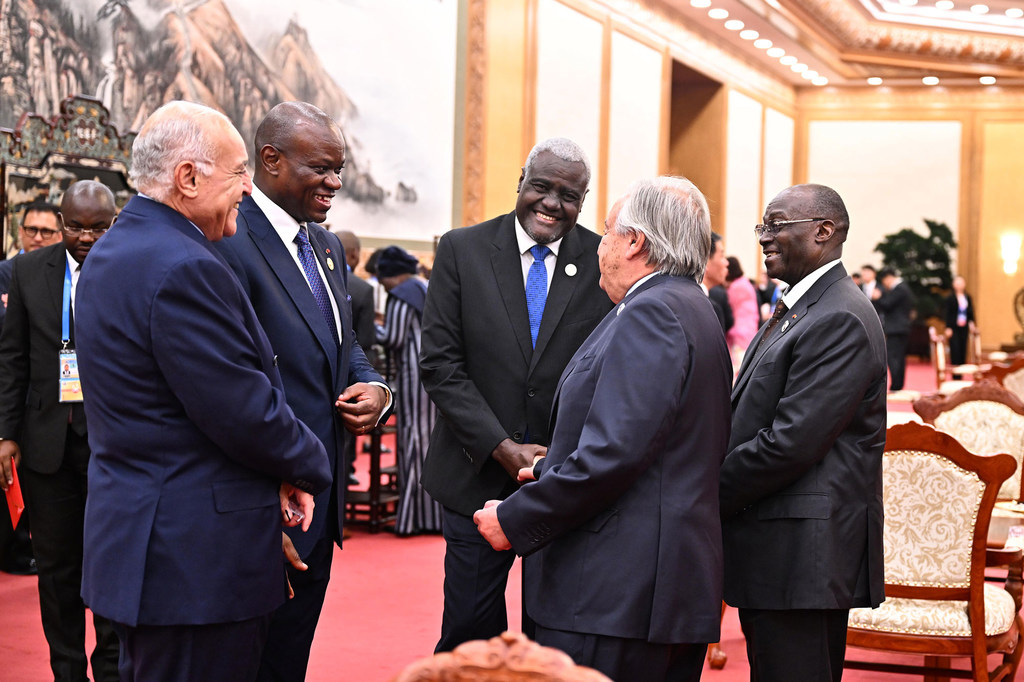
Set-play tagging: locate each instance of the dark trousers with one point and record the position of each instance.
(896, 357)
(801, 644)
(628, 660)
(192, 653)
(292, 626)
(475, 577)
(57, 501)
(958, 345)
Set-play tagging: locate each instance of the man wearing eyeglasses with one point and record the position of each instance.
(42, 424)
(38, 228)
(801, 484)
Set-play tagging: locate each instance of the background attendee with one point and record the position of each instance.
(958, 313)
(197, 458)
(743, 302)
(417, 511)
(360, 291)
(868, 280)
(894, 302)
(626, 500)
(293, 272)
(767, 294)
(801, 487)
(44, 427)
(714, 282)
(510, 300)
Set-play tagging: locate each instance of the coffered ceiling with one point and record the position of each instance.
(871, 43)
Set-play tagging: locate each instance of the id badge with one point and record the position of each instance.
(70, 383)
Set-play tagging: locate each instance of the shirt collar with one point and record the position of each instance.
(286, 226)
(72, 263)
(640, 281)
(796, 291)
(526, 242)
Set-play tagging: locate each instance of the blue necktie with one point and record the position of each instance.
(316, 284)
(537, 288)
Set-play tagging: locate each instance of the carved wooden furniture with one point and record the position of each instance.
(510, 657)
(944, 372)
(1010, 376)
(41, 157)
(938, 500)
(986, 419)
(377, 506)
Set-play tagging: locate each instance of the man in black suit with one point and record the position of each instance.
(360, 292)
(48, 433)
(714, 281)
(300, 152)
(801, 489)
(490, 360)
(621, 531)
(894, 302)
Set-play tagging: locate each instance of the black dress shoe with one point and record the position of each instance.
(20, 566)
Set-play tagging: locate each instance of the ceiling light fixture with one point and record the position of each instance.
(749, 34)
(987, 80)
(809, 74)
(930, 80)
(979, 9)
(874, 80)
(733, 25)
(1015, 12)
(788, 60)
(798, 68)
(718, 13)
(944, 4)
(775, 52)
(820, 80)
(762, 43)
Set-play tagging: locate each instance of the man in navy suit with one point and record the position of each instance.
(284, 260)
(48, 434)
(490, 361)
(621, 530)
(801, 490)
(196, 457)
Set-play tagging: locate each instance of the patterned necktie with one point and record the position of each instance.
(316, 284)
(780, 310)
(537, 288)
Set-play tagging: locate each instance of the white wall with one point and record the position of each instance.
(742, 181)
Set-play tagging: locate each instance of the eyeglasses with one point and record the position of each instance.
(95, 232)
(44, 232)
(773, 226)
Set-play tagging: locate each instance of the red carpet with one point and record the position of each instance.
(383, 609)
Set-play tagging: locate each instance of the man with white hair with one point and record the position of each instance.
(197, 459)
(620, 530)
(510, 300)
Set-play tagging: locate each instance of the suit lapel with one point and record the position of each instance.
(333, 265)
(274, 252)
(561, 291)
(506, 261)
(55, 265)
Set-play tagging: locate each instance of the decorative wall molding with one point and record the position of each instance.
(475, 130)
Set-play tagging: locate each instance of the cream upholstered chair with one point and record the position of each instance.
(1010, 376)
(938, 499)
(986, 419)
(944, 372)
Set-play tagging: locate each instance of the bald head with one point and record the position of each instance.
(285, 121)
(88, 191)
(352, 247)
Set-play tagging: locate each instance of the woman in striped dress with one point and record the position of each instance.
(396, 270)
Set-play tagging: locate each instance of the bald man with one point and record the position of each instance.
(293, 271)
(49, 442)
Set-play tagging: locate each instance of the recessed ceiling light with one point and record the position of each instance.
(774, 3)
(944, 4)
(987, 80)
(930, 80)
(798, 68)
(1015, 12)
(775, 52)
(749, 34)
(718, 13)
(874, 80)
(809, 74)
(733, 25)
(700, 4)
(820, 80)
(979, 9)
(788, 60)
(908, 3)
(762, 43)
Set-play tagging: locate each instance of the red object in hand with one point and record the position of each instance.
(15, 502)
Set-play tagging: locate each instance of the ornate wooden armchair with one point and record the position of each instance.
(944, 371)
(986, 419)
(1010, 376)
(510, 657)
(938, 500)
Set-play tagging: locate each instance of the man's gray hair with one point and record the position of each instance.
(673, 216)
(175, 133)
(563, 148)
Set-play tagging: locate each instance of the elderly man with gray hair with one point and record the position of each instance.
(620, 530)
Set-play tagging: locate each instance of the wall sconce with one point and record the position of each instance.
(1010, 244)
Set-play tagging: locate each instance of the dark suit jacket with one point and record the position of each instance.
(30, 409)
(802, 483)
(477, 361)
(314, 369)
(723, 309)
(190, 433)
(951, 309)
(624, 516)
(362, 311)
(896, 307)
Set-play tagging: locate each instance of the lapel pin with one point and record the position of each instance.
(784, 325)
(330, 263)
(570, 269)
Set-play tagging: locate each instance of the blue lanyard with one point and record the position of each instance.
(65, 321)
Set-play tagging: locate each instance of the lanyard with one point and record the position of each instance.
(65, 320)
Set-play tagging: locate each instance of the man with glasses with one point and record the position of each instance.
(42, 423)
(801, 484)
(38, 228)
